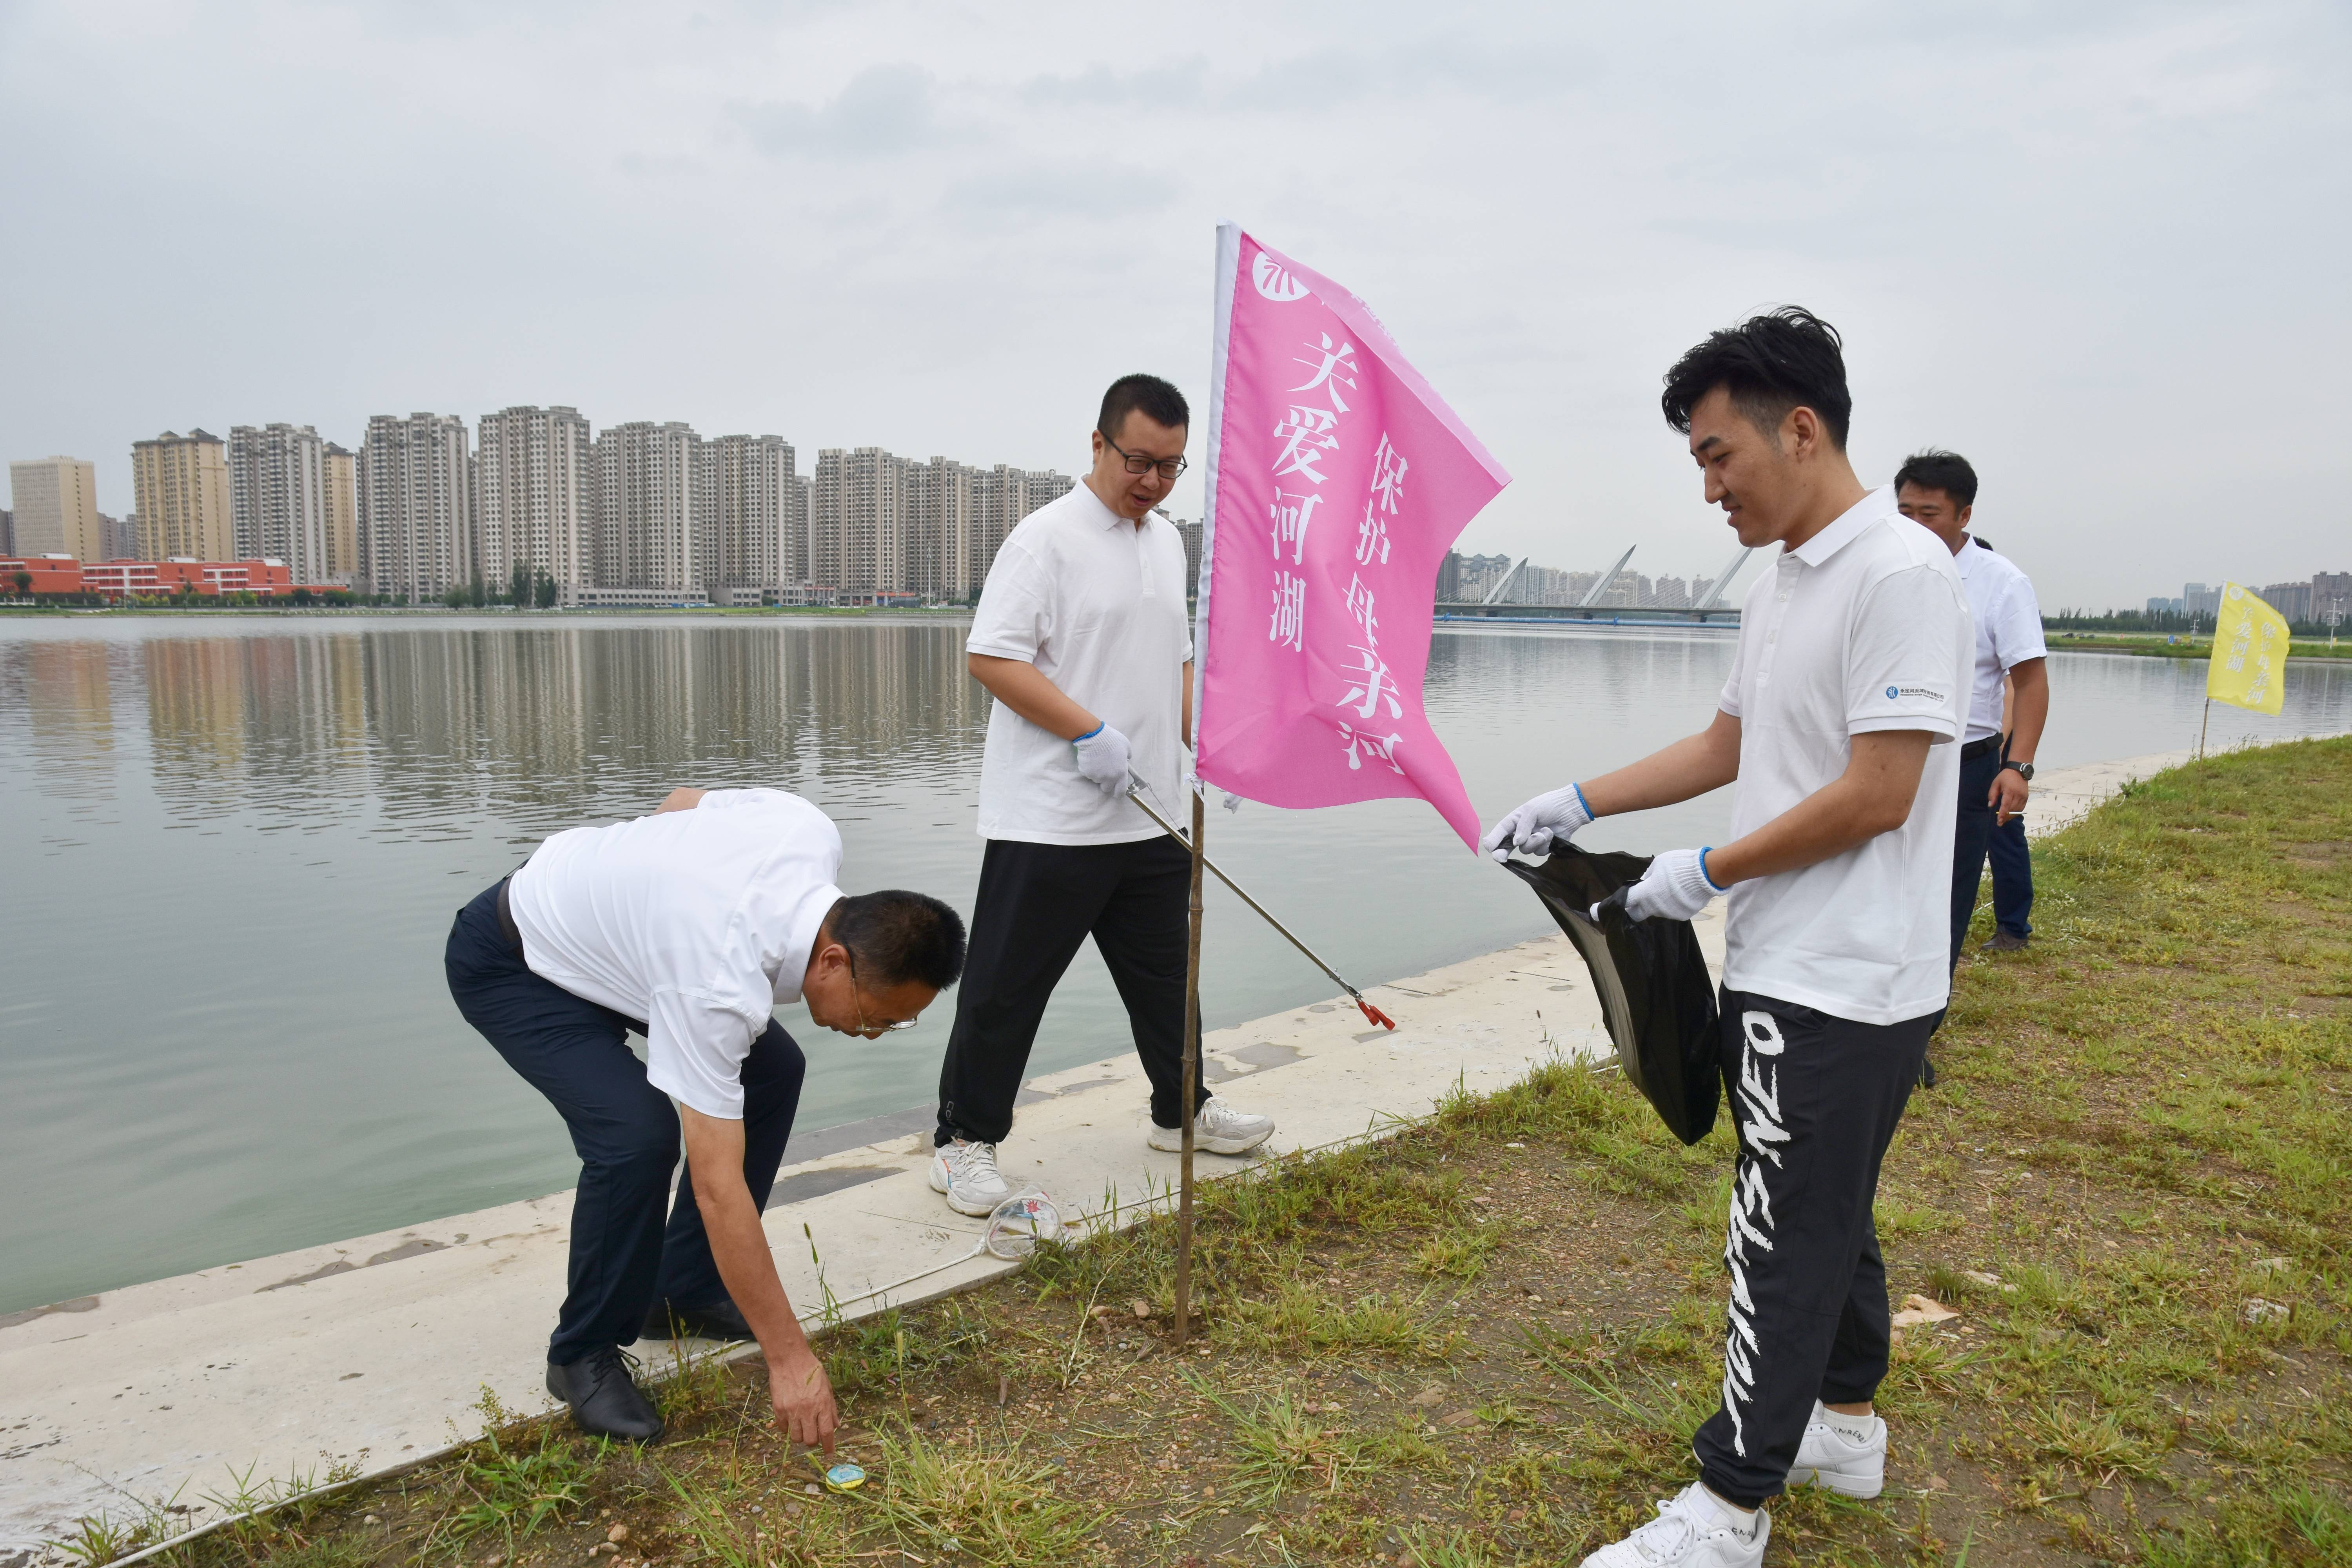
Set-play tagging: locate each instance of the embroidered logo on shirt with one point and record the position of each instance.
(1928, 692)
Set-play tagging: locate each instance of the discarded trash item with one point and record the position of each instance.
(1017, 1225)
(2270, 1264)
(1655, 993)
(2258, 1311)
(1990, 1281)
(1917, 1310)
(845, 1478)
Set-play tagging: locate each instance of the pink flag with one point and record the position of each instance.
(1338, 479)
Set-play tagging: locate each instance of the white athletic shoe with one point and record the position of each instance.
(1828, 1458)
(1691, 1531)
(967, 1173)
(1217, 1128)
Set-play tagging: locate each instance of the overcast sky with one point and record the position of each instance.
(2098, 248)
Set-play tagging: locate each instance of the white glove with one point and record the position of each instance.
(1532, 828)
(1676, 886)
(1102, 759)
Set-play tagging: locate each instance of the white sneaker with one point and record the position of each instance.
(967, 1173)
(1828, 1458)
(1691, 1531)
(1217, 1128)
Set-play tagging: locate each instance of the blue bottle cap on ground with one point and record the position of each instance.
(845, 1478)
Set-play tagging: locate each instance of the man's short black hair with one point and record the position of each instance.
(896, 936)
(1937, 470)
(1770, 364)
(1159, 401)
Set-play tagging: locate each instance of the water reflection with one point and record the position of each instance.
(241, 841)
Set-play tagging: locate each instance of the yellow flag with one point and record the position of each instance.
(2249, 664)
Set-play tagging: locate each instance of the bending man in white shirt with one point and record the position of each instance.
(1845, 695)
(1083, 638)
(688, 927)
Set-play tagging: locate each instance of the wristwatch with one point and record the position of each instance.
(2025, 770)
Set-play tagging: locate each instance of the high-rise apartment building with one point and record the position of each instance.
(656, 520)
(2331, 595)
(341, 473)
(181, 487)
(277, 497)
(1002, 497)
(758, 539)
(862, 521)
(415, 513)
(941, 496)
(2291, 600)
(119, 536)
(55, 501)
(535, 496)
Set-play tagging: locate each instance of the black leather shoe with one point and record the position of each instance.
(605, 1399)
(721, 1320)
(1926, 1073)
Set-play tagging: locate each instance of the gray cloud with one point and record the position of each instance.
(884, 111)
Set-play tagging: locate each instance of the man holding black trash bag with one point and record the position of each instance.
(686, 926)
(1846, 694)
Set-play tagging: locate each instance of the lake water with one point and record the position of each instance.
(234, 847)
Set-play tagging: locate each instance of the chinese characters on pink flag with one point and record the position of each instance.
(1338, 479)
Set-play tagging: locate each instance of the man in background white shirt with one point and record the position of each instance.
(1937, 490)
(1084, 639)
(1837, 725)
(686, 927)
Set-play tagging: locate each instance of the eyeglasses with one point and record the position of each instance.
(1136, 463)
(857, 1000)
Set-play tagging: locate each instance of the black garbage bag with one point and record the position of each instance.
(1656, 994)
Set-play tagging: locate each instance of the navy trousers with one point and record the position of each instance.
(1971, 840)
(2013, 879)
(626, 1131)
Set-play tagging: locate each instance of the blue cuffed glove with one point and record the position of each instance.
(1676, 886)
(1102, 758)
(1531, 829)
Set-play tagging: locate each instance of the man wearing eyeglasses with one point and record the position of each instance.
(1084, 639)
(686, 927)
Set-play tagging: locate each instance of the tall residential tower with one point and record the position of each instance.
(184, 506)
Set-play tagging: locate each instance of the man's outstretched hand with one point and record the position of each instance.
(803, 1397)
(1531, 829)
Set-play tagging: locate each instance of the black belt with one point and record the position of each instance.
(1969, 753)
(507, 927)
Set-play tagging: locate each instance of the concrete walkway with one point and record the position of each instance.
(365, 1356)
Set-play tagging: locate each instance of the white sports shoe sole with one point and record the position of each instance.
(966, 1204)
(1171, 1141)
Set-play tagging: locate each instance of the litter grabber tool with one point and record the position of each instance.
(1135, 793)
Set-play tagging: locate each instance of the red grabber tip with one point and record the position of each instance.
(1375, 1014)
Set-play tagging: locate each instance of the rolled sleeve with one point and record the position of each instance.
(695, 1049)
(1903, 660)
(1015, 614)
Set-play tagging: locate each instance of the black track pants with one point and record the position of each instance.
(1816, 1099)
(1036, 903)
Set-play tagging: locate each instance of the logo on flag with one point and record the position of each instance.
(1338, 479)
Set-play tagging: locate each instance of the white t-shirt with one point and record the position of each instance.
(2009, 629)
(1864, 629)
(696, 924)
(1097, 605)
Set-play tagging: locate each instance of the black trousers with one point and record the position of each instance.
(624, 1258)
(1976, 835)
(1036, 903)
(2013, 879)
(1816, 1099)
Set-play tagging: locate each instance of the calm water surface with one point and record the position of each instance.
(233, 848)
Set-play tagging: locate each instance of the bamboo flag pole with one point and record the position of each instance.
(2201, 728)
(1192, 1086)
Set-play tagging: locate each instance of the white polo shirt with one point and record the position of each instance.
(2009, 629)
(1864, 629)
(1097, 605)
(696, 924)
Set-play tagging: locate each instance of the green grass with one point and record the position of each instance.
(2144, 1124)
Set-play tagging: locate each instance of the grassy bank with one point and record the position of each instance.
(1488, 1340)
(2155, 645)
